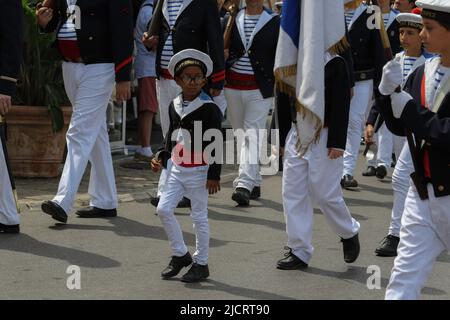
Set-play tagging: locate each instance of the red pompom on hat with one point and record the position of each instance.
(417, 11)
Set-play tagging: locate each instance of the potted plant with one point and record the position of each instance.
(37, 123)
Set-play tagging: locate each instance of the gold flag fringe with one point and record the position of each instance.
(340, 46)
(287, 89)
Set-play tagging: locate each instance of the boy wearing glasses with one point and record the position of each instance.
(190, 171)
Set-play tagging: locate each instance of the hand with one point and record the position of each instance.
(213, 186)
(5, 104)
(123, 91)
(155, 165)
(151, 42)
(368, 133)
(334, 153)
(392, 78)
(215, 92)
(44, 15)
(226, 53)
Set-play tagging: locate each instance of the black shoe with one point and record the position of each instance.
(256, 193)
(154, 201)
(369, 172)
(196, 273)
(175, 265)
(291, 262)
(241, 196)
(53, 209)
(348, 181)
(184, 203)
(388, 247)
(381, 172)
(94, 212)
(351, 248)
(9, 228)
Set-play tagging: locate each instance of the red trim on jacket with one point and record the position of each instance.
(124, 63)
(426, 156)
(218, 77)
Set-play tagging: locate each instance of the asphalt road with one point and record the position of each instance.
(121, 258)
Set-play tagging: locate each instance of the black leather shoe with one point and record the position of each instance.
(370, 172)
(241, 196)
(53, 209)
(291, 262)
(196, 273)
(351, 248)
(256, 193)
(175, 265)
(184, 203)
(9, 228)
(381, 172)
(348, 181)
(94, 212)
(388, 247)
(154, 201)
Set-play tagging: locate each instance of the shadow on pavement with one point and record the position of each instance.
(360, 275)
(26, 244)
(238, 291)
(129, 228)
(214, 215)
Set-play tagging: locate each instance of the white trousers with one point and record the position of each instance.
(248, 110)
(424, 235)
(359, 105)
(387, 143)
(192, 183)
(89, 89)
(400, 184)
(166, 91)
(314, 178)
(8, 209)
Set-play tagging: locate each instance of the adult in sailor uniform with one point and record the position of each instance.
(413, 57)
(186, 24)
(97, 49)
(249, 89)
(386, 143)
(316, 175)
(11, 41)
(191, 172)
(425, 227)
(368, 60)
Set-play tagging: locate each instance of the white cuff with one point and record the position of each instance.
(398, 102)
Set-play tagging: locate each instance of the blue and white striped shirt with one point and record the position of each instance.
(386, 17)
(349, 16)
(174, 7)
(408, 63)
(243, 65)
(67, 31)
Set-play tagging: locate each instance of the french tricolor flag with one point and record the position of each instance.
(309, 29)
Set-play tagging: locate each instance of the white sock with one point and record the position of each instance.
(146, 151)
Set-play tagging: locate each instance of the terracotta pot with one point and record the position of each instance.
(34, 150)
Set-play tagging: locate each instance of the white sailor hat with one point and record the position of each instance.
(190, 57)
(279, 3)
(410, 20)
(435, 9)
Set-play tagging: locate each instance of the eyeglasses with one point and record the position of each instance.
(188, 79)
